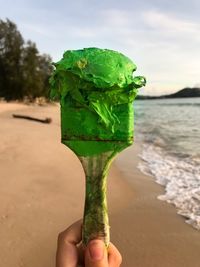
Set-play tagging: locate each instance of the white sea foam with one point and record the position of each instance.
(179, 176)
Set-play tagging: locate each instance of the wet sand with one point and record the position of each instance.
(42, 192)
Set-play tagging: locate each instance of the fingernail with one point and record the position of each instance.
(96, 249)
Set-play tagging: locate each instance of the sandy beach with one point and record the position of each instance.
(42, 192)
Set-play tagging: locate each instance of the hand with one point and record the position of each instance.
(70, 251)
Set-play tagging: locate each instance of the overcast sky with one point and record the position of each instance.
(161, 36)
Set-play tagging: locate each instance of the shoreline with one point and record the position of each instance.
(158, 236)
(36, 201)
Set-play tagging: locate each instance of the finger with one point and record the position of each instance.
(114, 256)
(72, 234)
(67, 252)
(96, 254)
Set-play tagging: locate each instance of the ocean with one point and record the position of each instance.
(170, 133)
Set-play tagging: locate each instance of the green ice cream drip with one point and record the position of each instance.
(96, 91)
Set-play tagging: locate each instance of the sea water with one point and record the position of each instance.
(170, 132)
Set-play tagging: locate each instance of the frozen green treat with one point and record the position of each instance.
(96, 89)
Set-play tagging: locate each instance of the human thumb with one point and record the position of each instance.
(96, 254)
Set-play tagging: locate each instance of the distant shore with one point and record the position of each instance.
(42, 192)
(186, 92)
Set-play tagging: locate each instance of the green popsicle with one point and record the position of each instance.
(96, 91)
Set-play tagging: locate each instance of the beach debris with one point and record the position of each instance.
(96, 89)
(46, 120)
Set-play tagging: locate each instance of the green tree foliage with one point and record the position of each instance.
(23, 71)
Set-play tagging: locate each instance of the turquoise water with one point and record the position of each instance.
(170, 132)
(173, 124)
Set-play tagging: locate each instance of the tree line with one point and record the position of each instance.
(23, 71)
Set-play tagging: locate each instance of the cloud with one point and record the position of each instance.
(162, 37)
(37, 29)
(83, 32)
(116, 18)
(170, 24)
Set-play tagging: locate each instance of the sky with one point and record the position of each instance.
(162, 37)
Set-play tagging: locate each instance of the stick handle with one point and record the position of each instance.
(95, 221)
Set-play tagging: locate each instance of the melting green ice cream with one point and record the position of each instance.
(96, 89)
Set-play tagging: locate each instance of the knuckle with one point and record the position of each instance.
(60, 237)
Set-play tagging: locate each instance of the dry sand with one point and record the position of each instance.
(42, 192)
